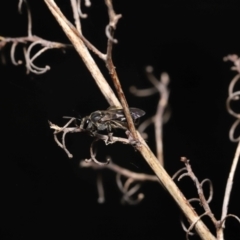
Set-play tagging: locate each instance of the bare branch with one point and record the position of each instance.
(65, 130)
(113, 20)
(124, 172)
(84, 53)
(76, 8)
(132, 177)
(29, 15)
(230, 183)
(31, 41)
(232, 96)
(160, 86)
(198, 185)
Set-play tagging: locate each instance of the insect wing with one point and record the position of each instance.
(136, 113)
(113, 113)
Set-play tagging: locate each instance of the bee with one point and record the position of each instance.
(109, 119)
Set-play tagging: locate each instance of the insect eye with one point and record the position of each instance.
(86, 124)
(96, 117)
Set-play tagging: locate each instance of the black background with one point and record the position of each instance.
(45, 194)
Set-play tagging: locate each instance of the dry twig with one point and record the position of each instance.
(219, 224)
(29, 42)
(132, 177)
(233, 96)
(160, 86)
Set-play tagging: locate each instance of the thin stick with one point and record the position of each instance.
(123, 171)
(113, 19)
(84, 54)
(230, 183)
(76, 16)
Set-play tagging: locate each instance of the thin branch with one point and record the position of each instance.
(65, 130)
(76, 8)
(113, 20)
(232, 96)
(160, 86)
(198, 185)
(123, 171)
(31, 41)
(29, 15)
(84, 53)
(230, 182)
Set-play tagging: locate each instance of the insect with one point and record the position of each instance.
(108, 119)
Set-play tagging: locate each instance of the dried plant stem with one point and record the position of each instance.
(113, 19)
(123, 171)
(230, 184)
(122, 98)
(187, 209)
(76, 15)
(84, 54)
(191, 215)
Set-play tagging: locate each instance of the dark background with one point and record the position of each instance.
(45, 194)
